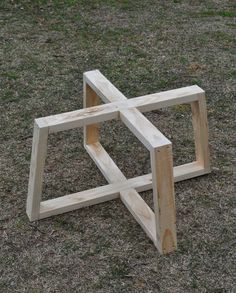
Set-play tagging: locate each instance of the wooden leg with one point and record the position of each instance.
(91, 132)
(163, 197)
(38, 156)
(200, 126)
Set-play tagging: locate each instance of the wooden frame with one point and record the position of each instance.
(159, 224)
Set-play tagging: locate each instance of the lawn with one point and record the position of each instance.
(142, 47)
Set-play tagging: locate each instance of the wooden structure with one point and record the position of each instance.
(159, 225)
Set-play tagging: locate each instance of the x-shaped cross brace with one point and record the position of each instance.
(159, 225)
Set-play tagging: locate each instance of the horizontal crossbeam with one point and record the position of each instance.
(93, 196)
(97, 114)
(108, 192)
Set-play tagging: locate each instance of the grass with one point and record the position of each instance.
(45, 46)
(233, 73)
(222, 13)
(10, 75)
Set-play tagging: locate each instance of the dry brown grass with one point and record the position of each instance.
(142, 47)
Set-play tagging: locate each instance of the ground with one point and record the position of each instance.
(142, 47)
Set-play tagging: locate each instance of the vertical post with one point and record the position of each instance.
(90, 98)
(200, 126)
(38, 156)
(163, 197)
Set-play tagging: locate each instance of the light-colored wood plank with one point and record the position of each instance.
(76, 201)
(79, 118)
(188, 171)
(38, 155)
(96, 114)
(200, 126)
(163, 197)
(184, 95)
(90, 197)
(101, 194)
(109, 93)
(112, 173)
(90, 99)
(143, 129)
(103, 87)
(141, 212)
(105, 163)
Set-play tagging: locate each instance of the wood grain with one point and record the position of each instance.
(163, 197)
(38, 156)
(97, 195)
(90, 99)
(200, 126)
